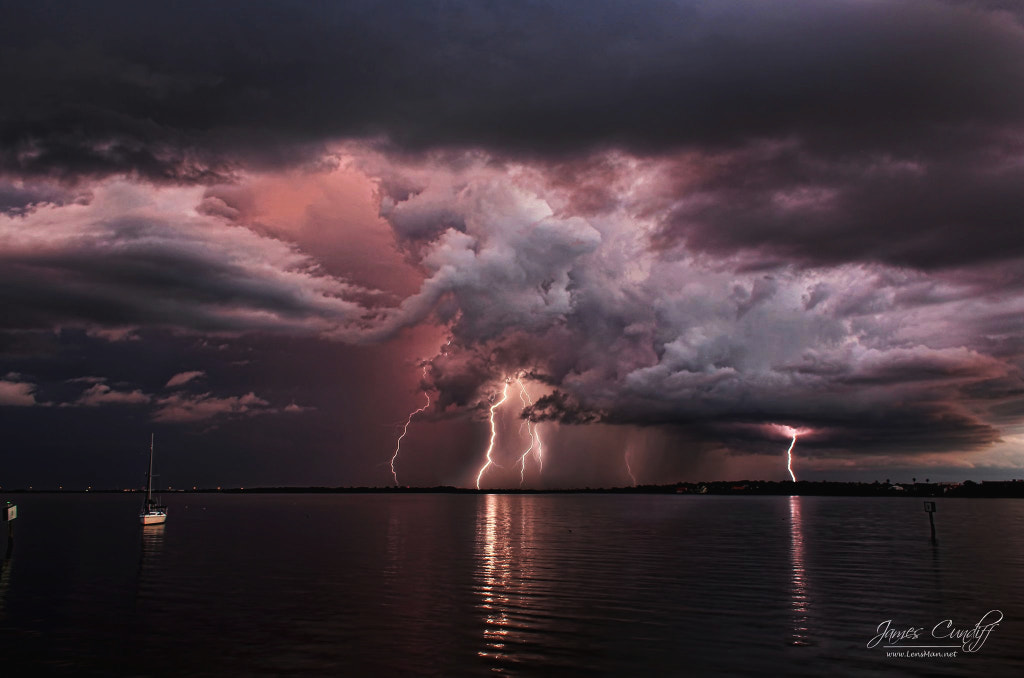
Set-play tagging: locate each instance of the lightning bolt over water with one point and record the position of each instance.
(629, 469)
(531, 428)
(494, 434)
(795, 432)
(405, 429)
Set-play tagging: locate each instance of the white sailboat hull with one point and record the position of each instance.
(153, 518)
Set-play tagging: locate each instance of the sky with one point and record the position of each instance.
(640, 242)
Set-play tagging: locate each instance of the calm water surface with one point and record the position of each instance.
(528, 585)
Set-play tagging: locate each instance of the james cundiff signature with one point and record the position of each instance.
(945, 635)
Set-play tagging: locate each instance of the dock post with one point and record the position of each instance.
(10, 512)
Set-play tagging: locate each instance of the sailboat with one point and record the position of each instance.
(152, 513)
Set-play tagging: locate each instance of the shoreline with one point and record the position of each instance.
(985, 489)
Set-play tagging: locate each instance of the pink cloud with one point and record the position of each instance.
(180, 408)
(17, 394)
(113, 334)
(333, 213)
(190, 271)
(183, 378)
(101, 394)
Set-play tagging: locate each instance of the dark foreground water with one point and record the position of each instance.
(450, 585)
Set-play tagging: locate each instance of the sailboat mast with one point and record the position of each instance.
(149, 476)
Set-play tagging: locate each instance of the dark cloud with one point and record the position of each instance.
(840, 132)
(782, 204)
(182, 92)
(560, 407)
(132, 257)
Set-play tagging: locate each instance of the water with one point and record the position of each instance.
(519, 585)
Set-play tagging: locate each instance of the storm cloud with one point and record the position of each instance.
(624, 334)
(184, 93)
(690, 221)
(131, 257)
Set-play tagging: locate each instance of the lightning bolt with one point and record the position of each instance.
(795, 433)
(539, 450)
(494, 434)
(789, 457)
(538, 444)
(531, 428)
(629, 469)
(405, 429)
